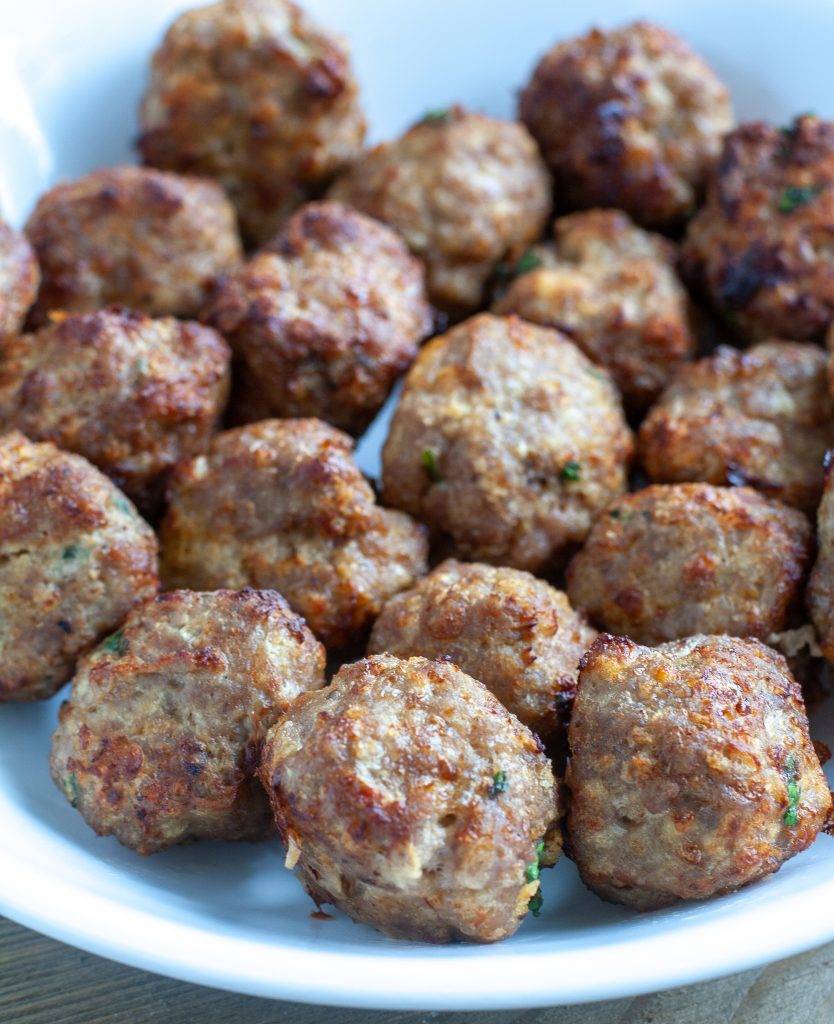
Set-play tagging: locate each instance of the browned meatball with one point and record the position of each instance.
(506, 441)
(630, 118)
(612, 288)
(131, 394)
(19, 279)
(161, 737)
(131, 237)
(282, 504)
(254, 94)
(412, 800)
(74, 558)
(820, 594)
(462, 189)
(513, 633)
(760, 249)
(763, 417)
(326, 319)
(670, 561)
(691, 770)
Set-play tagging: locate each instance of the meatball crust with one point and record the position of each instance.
(326, 318)
(462, 189)
(512, 632)
(723, 560)
(691, 771)
(412, 800)
(629, 118)
(612, 288)
(19, 279)
(282, 504)
(131, 394)
(506, 441)
(132, 237)
(161, 737)
(820, 592)
(253, 94)
(74, 558)
(763, 417)
(759, 250)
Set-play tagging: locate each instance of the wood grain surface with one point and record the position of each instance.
(45, 982)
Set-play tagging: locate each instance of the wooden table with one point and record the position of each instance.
(45, 982)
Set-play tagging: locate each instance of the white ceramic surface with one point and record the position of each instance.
(230, 916)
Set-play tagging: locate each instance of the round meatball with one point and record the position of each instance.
(412, 800)
(820, 593)
(74, 558)
(630, 118)
(19, 279)
(462, 189)
(671, 561)
(506, 441)
(691, 771)
(161, 737)
(131, 394)
(512, 632)
(131, 237)
(759, 251)
(612, 288)
(763, 417)
(282, 504)
(326, 319)
(254, 94)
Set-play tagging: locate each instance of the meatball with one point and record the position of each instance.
(131, 394)
(161, 737)
(74, 558)
(506, 441)
(282, 504)
(132, 237)
(691, 772)
(19, 279)
(326, 319)
(763, 417)
(612, 288)
(820, 594)
(630, 118)
(512, 632)
(254, 94)
(674, 560)
(462, 189)
(413, 801)
(759, 251)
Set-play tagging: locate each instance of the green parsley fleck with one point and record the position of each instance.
(428, 460)
(571, 471)
(71, 789)
(791, 771)
(535, 905)
(69, 553)
(594, 371)
(795, 196)
(438, 116)
(616, 513)
(122, 505)
(532, 871)
(500, 783)
(115, 643)
(528, 261)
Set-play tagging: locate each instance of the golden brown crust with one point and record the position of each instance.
(683, 760)
(384, 787)
(673, 560)
(19, 279)
(74, 558)
(253, 94)
(820, 592)
(160, 740)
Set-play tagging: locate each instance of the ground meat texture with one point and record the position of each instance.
(512, 632)
(629, 118)
(282, 504)
(759, 251)
(506, 441)
(131, 394)
(74, 558)
(132, 237)
(820, 593)
(160, 739)
(612, 288)
(691, 771)
(671, 561)
(413, 801)
(19, 279)
(253, 94)
(326, 319)
(763, 417)
(462, 189)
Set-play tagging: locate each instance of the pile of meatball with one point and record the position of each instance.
(579, 608)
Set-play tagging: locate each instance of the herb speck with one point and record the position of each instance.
(428, 460)
(795, 196)
(571, 470)
(500, 783)
(115, 643)
(791, 772)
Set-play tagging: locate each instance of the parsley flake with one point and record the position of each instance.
(535, 905)
(795, 196)
(438, 116)
(69, 553)
(528, 261)
(428, 460)
(791, 772)
(532, 871)
(116, 643)
(500, 783)
(571, 470)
